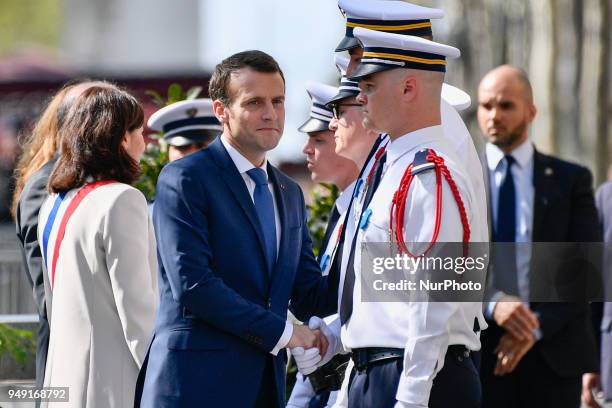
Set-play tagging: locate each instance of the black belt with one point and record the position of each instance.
(329, 376)
(363, 357)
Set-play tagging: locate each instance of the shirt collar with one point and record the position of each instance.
(242, 163)
(522, 154)
(344, 199)
(412, 140)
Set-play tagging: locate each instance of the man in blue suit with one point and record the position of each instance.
(234, 252)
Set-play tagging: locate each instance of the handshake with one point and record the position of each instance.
(314, 345)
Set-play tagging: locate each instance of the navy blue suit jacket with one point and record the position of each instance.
(221, 312)
(564, 211)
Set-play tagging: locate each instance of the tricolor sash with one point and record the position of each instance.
(51, 261)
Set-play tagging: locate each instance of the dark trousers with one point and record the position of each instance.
(531, 384)
(42, 346)
(267, 389)
(457, 385)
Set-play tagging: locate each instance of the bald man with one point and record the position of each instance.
(534, 352)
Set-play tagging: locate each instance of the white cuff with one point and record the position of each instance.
(401, 404)
(284, 339)
(492, 303)
(537, 334)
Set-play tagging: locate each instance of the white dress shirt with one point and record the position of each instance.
(243, 165)
(353, 213)
(522, 173)
(302, 390)
(423, 329)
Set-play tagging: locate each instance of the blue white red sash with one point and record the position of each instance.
(67, 211)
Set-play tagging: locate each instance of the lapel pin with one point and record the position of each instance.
(548, 171)
(282, 186)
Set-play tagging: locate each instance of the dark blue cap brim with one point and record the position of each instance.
(348, 43)
(192, 136)
(364, 70)
(340, 96)
(314, 125)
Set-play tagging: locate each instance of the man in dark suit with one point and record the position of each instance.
(234, 250)
(534, 352)
(26, 222)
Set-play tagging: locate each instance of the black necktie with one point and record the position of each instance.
(505, 233)
(334, 272)
(346, 303)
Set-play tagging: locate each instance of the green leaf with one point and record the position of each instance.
(194, 92)
(175, 94)
(17, 343)
(157, 98)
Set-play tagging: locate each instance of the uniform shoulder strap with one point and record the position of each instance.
(420, 163)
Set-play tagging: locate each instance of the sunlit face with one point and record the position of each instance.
(134, 144)
(321, 158)
(379, 95)
(355, 54)
(255, 116)
(504, 111)
(353, 141)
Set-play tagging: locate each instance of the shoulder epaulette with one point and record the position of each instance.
(420, 163)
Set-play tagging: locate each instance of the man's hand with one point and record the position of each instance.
(590, 384)
(511, 314)
(308, 345)
(333, 340)
(306, 338)
(510, 351)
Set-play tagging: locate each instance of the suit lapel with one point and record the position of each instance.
(236, 185)
(485, 172)
(281, 204)
(545, 192)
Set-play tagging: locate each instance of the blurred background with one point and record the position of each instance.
(144, 45)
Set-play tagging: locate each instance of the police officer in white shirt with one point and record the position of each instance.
(188, 126)
(404, 18)
(410, 354)
(319, 388)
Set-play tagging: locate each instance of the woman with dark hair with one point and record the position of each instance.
(31, 177)
(99, 253)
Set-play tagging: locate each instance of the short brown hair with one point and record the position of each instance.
(259, 61)
(91, 139)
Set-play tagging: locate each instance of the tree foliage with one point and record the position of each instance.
(320, 211)
(16, 342)
(155, 156)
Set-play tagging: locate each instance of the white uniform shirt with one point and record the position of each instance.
(440, 324)
(302, 390)
(353, 213)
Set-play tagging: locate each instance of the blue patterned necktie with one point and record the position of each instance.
(264, 205)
